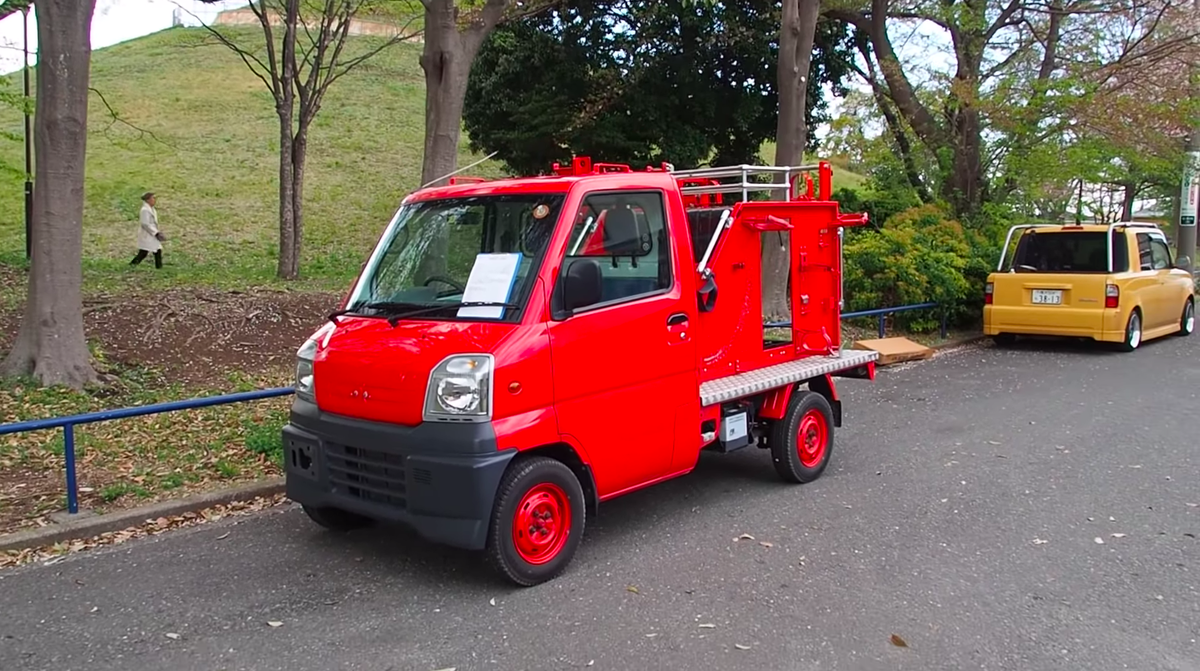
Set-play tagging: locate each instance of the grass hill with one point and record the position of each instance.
(209, 150)
(196, 126)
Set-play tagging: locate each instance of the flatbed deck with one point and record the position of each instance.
(755, 381)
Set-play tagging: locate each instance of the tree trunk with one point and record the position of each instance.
(299, 157)
(446, 59)
(964, 186)
(447, 68)
(288, 260)
(1128, 196)
(285, 107)
(797, 31)
(51, 345)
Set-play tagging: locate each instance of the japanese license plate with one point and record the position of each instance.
(1047, 296)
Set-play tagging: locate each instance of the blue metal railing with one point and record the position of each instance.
(881, 313)
(68, 424)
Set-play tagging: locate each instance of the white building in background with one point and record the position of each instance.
(115, 21)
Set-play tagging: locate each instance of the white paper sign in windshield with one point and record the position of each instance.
(491, 281)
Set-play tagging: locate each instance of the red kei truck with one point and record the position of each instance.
(515, 352)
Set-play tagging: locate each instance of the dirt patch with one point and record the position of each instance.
(196, 336)
(199, 337)
(26, 495)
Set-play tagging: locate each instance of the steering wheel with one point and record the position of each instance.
(445, 280)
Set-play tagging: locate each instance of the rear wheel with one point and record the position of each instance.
(1187, 323)
(537, 521)
(336, 519)
(1133, 332)
(802, 441)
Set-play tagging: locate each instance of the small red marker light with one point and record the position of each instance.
(514, 387)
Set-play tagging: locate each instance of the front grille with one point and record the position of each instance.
(369, 475)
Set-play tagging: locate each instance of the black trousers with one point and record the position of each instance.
(142, 255)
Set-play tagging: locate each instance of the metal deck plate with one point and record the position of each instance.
(743, 384)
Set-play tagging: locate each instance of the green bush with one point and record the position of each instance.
(919, 255)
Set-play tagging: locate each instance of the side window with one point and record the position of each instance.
(619, 241)
(1160, 254)
(1145, 258)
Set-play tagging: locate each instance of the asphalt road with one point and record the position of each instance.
(960, 513)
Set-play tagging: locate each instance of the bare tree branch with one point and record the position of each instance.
(252, 61)
(115, 118)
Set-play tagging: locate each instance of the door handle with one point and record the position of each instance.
(677, 318)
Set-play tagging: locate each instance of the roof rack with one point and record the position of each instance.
(1112, 227)
(747, 184)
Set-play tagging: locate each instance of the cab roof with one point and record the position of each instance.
(563, 177)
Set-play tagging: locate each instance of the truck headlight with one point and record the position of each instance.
(460, 387)
(305, 380)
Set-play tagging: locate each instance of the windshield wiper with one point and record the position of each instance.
(400, 310)
(382, 306)
(429, 309)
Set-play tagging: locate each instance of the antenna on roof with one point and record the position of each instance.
(465, 167)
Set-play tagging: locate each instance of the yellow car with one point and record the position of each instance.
(1113, 283)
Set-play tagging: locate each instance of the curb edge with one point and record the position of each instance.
(94, 525)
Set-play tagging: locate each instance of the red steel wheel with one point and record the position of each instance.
(812, 438)
(537, 520)
(802, 441)
(542, 523)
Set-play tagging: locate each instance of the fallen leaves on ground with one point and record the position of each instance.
(140, 460)
(56, 552)
(898, 642)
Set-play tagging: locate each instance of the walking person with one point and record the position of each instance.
(149, 239)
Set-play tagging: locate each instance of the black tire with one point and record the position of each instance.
(1187, 321)
(336, 519)
(807, 412)
(1004, 339)
(1133, 331)
(531, 487)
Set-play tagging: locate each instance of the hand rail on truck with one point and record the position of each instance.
(745, 186)
(68, 423)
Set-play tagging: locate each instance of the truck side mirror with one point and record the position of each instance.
(583, 284)
(1182, 263)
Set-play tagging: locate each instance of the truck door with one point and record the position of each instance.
(621, 338)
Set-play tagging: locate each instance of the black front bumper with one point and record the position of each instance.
(440, 479)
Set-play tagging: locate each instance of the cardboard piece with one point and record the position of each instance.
(895, 350)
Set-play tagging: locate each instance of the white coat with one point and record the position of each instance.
(148, 229)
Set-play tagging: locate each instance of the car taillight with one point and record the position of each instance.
(987, 293)
(1112, 296)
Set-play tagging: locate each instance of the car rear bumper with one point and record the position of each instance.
(438, 479)
(1049, 321)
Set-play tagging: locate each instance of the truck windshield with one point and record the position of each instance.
(1070, 252)
(425, 256)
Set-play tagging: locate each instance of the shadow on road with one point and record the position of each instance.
(740, 480)
(1077, 346)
